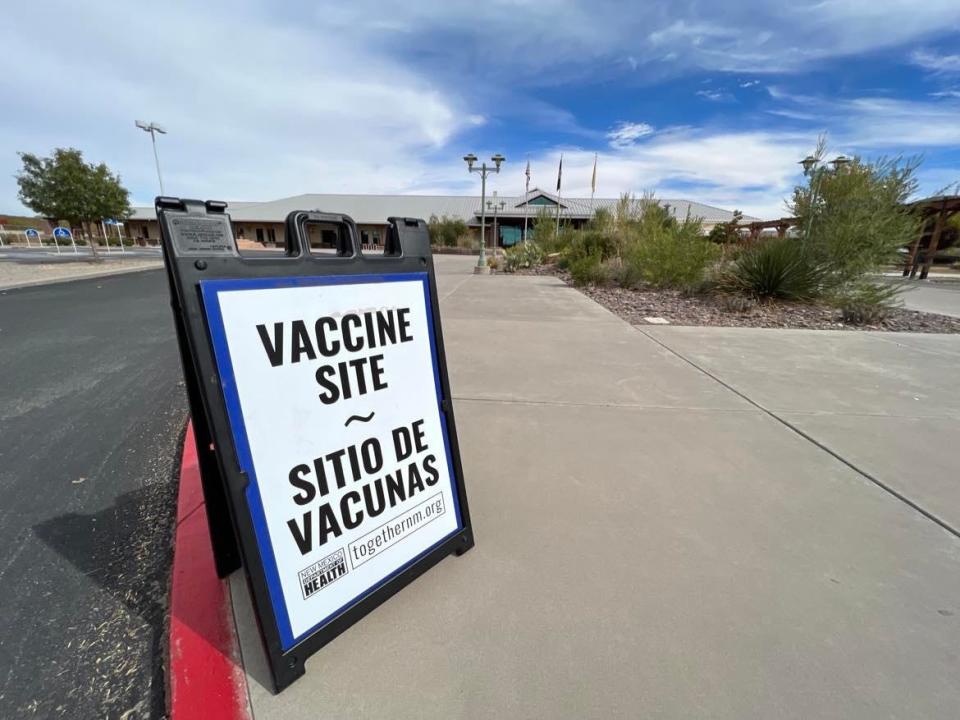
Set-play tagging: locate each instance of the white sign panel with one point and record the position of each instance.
(332, 388)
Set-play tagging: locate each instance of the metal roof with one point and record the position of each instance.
(375, 209)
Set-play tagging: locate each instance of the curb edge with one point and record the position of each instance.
(206, 678)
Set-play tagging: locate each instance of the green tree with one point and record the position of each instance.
(726, 232)
(446, 231)
(853, 218)
(65, 187)
(543, 230)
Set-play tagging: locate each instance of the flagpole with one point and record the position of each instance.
(559, 186)
(593, 183)
(526, 203)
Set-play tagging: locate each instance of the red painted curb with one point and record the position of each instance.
(206, 677)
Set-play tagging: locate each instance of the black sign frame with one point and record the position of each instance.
(198, 244)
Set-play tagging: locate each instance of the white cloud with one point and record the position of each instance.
(938, 64)
(876, 123)
(254, 109)
(715, 95)
(627, 133)
(752, 171)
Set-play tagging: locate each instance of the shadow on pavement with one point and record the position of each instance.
(125, 549)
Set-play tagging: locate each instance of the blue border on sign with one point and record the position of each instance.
(210, 290)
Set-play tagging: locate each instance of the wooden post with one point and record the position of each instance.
(934, 242)
(910, 264)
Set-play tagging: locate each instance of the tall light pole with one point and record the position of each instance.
(153, 129)
(496, 207)
(484, 170)
(810, 167)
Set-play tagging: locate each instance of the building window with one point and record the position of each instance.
(272, 236)
(259, 235)
(540, 200)
(240, 233)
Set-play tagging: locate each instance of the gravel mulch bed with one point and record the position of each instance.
(677, 308)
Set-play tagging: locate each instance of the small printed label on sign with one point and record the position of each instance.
(202, 236)
(322, 573)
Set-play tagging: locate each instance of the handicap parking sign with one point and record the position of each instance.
(62, 232)
(32, 234)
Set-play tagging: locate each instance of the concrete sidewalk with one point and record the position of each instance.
(674, 522)
(942, 298)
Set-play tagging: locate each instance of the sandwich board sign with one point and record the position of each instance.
(321, 404)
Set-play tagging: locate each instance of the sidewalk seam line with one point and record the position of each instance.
(863, 473)
(629, 406)
(458, 286)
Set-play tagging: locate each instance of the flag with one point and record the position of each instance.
(527, 173)
(560, 172)
(593, 181)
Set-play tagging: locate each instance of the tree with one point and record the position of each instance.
(446, 231)
(64, 187)
(726, 232)
(853, 218)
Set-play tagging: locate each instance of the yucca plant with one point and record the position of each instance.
(778, 268)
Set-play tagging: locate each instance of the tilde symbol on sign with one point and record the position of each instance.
(359, 418)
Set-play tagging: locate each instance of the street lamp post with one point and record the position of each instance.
(496, 207)
(153, 129)
(811, 168)
(484, 170)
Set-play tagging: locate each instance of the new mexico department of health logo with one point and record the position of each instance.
(323, 572)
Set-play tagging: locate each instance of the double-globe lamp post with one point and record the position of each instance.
(496, 207)
(483, 170)
(810, 167)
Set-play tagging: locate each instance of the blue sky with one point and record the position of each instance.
(687, 99)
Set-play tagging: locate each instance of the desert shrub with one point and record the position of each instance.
(543, 231)
(867, 303)
(671, 255)
(446, 231)
(726, 232)
(523, 255)
(493, 262)
(622, 274)
(588, 270)
(853, 219)
(737, 304)
(588, 243)
(778, 268)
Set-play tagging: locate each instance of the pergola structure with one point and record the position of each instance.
(755, 228)
(935, 211)
(934, 233)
